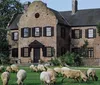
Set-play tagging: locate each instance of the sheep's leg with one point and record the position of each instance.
(93, 78)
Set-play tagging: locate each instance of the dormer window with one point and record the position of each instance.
(15, 36)
(25, 32)
(48, 31)
(36, 31)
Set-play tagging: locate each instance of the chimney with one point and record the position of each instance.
(74, 6)
(26, 5)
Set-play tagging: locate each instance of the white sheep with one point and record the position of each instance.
(8, 68)
(74, 74)
(92, 73)
(41, 67)
(31, 67)
(14, 68)
(5, 76)
(64, 69)
(45, 77)
(21, 76)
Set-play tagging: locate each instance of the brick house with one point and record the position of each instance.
(42, 33)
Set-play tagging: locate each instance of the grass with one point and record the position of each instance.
(33, 79)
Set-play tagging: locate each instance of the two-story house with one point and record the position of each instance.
(42, 33)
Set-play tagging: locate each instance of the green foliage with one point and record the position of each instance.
(67, 58)
(98, 28)
(55, 61)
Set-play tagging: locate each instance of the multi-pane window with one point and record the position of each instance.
(25, 32)
(49, 51)
(76, 50)
(90, 52)
(90, 33)
(36, 31)
(15, 36)
(25, 52)
(76, 33)
(48, 31)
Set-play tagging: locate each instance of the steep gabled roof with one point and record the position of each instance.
(88, 17)
(13, 24)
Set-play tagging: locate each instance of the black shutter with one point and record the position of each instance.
(13, 36)
(22, 52)
(28, 52)
(44, 52)
(33, 32)
(29, 32)
(52, 31)
(52, 51)
(94, 33)
(86, 33)
(44, 31)
(40, 31)
(80, 34)
(22, 32)
(73, 33)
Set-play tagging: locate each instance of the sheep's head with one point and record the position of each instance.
(84, 79)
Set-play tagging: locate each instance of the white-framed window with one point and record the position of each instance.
(48, 31)
(90, 33)
(26, 32)
(15, 36)
(37, 31)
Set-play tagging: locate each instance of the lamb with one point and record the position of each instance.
(92, 73)
(21, 76)
(5, 76)
(14, 68)
(8, 68)
(74, 74)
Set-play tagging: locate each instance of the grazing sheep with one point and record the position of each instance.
(92, 73)
(64, 69)
(41, 67)
(1, 68)
(45, 77)
(5, 76)
(74, 74)
(21, 76)
(8, 68)
(33, 68)
(57, 69)
(14, 68)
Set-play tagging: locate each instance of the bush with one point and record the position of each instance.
(67, 58)
(55, 61)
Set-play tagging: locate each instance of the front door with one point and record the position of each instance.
(36, 55)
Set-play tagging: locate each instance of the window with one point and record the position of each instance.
(15, 36)
(63, 32)
(37, 31)
(76, 50)
(90, 33)
(90, 52)
(15, 52)
(48, 31)
(25, 32)
(76, 33)
(25, 52)
(48, 51)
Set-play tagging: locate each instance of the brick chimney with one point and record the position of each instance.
(74, 6)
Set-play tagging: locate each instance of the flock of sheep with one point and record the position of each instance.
(48, 75)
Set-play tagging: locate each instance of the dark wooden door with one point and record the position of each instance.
(36, 55)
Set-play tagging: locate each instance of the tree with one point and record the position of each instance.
(7, 9)
(98, 28)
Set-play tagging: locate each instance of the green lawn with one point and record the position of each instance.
(33, 79)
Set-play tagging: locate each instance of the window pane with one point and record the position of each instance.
(26, 32)
(37, 32)
(16, 36)
(76, 33)
(90, 52)
(25, 51)
(48, 31)
(90, 33)
(48, 51)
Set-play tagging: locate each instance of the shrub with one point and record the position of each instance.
(55, 61)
